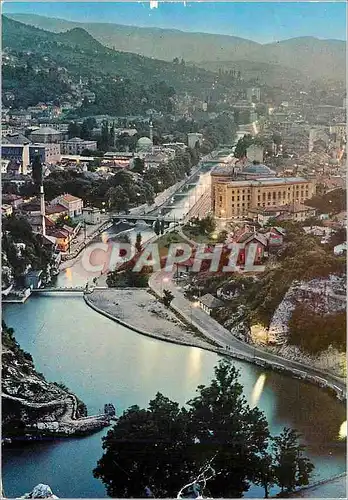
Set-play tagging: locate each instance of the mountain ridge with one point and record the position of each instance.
(313, 57)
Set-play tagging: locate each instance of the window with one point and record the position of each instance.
(220, 199)
(243, 191)
(269, 196)
(258, 204)
(243, 197)
(232, 198)
(238, 205)
(284, 194)
(274, 195)
(279, 194)
(243, 204)
(249, 197)
(237, 198)
(306, 194)
(232, 205)
(263, 196)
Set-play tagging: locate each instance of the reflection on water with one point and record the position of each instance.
(343, 431)
(257, 391)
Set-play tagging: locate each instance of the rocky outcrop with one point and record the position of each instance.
(40, 491)
(32, 407)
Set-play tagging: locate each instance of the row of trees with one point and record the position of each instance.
(216, 445)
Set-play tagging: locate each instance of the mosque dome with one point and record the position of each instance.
(258, 169)
(144, 143)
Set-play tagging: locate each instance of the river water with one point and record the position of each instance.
(104, 362)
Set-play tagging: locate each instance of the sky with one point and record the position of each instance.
(259, 21)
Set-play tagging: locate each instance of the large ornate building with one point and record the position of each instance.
(233, 197)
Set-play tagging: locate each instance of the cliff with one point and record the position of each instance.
(33, 408)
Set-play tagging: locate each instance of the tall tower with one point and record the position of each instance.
(151, 132)
(42, 208)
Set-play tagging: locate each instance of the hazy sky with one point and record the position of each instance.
(262, 22)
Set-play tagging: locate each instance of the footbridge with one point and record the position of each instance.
(75, 289)
(148, 219)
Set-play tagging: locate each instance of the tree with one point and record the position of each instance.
(138, 165)
(37, 171)
(167, 297)
(291, 468)
(73, 130)
(138, 245)
(157, 227)
(117, 199)
(264, 474)
(165, 447)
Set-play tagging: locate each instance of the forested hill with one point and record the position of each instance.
(82, 55)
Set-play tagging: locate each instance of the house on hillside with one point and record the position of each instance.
(73, 204)
(209, 303)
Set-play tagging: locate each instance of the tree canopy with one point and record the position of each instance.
(158, 450)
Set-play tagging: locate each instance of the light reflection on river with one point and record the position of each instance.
(103, 362)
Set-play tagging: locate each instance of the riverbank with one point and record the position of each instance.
(141, 312)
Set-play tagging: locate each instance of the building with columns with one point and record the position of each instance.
(234, 198)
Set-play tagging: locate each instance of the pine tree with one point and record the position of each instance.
(291, 468)
(157, 227)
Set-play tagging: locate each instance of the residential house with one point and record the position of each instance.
(275, 237)
(209, 303)
(91, 215)
(13, 199)
(56, 211)
(72, 203)
(245, 240)
(6, 210)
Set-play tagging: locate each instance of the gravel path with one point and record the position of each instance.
(140, 309)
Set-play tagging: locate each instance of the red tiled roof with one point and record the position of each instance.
(69, 197)
(55, 209)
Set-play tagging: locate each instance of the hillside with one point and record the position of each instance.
(33, 408)
(130, 82)
(314, 58)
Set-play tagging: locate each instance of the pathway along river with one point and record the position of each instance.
(104, 362)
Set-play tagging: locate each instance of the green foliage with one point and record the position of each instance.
(314, 332)
(117, 199)
(291, 468)
(167, 297)
(18, 230)
(333, 202)
(165, 447)
(127, 279)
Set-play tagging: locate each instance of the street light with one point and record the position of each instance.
(164, 280)
(193, 304)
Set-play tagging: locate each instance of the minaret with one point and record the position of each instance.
(42, 208)
(151, 132)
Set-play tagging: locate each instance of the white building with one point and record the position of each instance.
(46, 135)
(193, 138)
(76, 145)
(91, 215)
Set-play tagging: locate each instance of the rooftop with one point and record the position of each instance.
(210, 301)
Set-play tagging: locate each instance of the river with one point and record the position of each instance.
(103, 362)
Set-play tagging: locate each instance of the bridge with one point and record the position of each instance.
(75, 289)
(149, 219)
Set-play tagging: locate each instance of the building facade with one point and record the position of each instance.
(18, 153)
(233, 198)
(49, 153)
(46, 135)
(193, 138)
(73, 204)
(75, 146)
